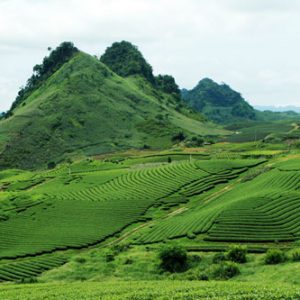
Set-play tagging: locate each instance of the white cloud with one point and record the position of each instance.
(252, 45)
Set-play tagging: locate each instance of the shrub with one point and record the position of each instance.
(219, 257)
(237, 254)
(195, 142)
(225, 271)
(109, 257)
(194, 260)
(296, 255)
(274, 256)
(118, 248)
(173, 258)
(27, 280)
(128, 261)
(51, 165)
(80, 260)
(178, 137)
(203, 276)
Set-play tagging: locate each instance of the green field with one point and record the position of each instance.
(141, 290)
(72, 223)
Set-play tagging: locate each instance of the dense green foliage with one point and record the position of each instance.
(218, 102)
(167, 84)
(173, 258)
(275, 256)
(237, 254)
(50, 64)
(225, 271)
(125, 59)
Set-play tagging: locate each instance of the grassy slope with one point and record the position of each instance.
(87, 109)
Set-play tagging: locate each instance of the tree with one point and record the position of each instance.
(51, 165)
(173, 258)
(178, 137)
(237, 254)
(167, 84)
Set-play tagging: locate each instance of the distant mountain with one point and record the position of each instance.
(278, 108)
(218, 102)
(74, 104)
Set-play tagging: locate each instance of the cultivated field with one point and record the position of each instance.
(200, 201)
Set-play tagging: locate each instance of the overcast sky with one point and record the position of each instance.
(252, 45)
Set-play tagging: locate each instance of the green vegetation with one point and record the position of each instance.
(125, 59)
(237, 254)
(152, 290)
(221, 104)
(108, 176)
(167, 84)
(28, 269)
(275, 256)
(225, 271)
(64, 52)
(70, 115)
(218, 102)
(173, 258)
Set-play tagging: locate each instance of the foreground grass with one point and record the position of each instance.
(143, 290)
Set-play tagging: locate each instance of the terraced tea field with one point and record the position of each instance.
(264, 209)
(89, 215)
(83, 204)
(29, 267)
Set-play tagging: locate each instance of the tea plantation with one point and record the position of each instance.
(151, 290)
(203, 203)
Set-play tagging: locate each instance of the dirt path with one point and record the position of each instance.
(39, 184)
(296, 126)
(174, 213)
(224, 190)
(127, 234)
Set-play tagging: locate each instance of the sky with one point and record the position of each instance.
(252, 45)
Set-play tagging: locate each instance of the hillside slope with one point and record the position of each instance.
(84, 108)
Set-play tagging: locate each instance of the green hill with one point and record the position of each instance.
(81, 107)
(218, 102)
(221, 104)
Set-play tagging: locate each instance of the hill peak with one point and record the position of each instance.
(84, 108)
(219, 102)
(125, 59)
